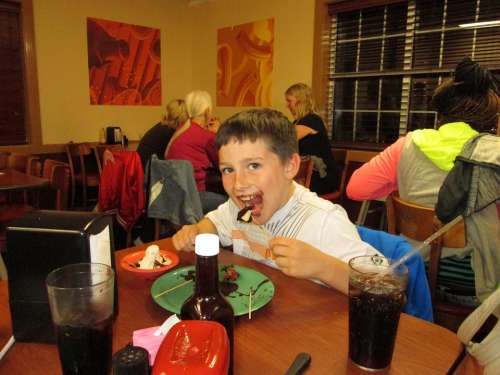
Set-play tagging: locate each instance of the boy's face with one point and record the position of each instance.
(255, 176)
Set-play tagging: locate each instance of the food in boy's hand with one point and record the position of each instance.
(152, 259)
(245, 214)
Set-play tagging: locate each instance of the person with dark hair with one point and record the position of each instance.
(417, 164)
(258, 160)
(313, 138)
(156, 139)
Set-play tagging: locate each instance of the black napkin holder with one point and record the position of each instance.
(40, 242)
(114, 135)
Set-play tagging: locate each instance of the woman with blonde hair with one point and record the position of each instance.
(195, 141)
(313, 138)
(156, 139)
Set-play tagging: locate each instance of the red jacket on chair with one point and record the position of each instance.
(121, 188)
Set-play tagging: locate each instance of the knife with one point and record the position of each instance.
(299, 364)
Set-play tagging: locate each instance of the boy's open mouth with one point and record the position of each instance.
(254, 201)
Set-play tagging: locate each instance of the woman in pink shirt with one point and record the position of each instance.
(417, 164)
(195, 141)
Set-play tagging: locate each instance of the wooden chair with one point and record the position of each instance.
(304, 174)
(4, 159)
(418, 223)
(15, 205)
(84, 169)
(34, 166)
(100, 150)
(352, 160)
(18, 162)
(57, 172)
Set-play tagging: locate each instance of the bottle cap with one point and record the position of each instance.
(131, 360)
(206, 244)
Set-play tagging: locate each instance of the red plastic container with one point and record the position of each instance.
(194, 347)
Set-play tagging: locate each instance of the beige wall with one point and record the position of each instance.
(188, 56)
(293, 45)
(61, 49)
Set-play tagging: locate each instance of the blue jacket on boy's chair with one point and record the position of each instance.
(418, 302)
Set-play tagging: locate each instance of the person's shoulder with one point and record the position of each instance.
(163, 129)
(308, 198)
(312, 117)
(314, 121)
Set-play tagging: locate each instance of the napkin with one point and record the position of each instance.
(152, 337)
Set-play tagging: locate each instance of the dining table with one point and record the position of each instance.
(13, 180)
(302, 316)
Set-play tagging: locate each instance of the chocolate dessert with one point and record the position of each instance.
(245, 214)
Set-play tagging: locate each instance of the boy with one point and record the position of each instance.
(291, 228)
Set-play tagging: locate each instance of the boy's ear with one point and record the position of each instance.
(292, 166)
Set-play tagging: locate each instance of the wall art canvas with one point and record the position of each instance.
(124, 63)
(245, 64)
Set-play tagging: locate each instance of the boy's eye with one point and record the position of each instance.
(226, 170)
(254, 166)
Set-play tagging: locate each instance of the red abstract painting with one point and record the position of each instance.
(124, 63)
(245, 64)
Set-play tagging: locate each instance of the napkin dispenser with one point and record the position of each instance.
(194, 347)
(40, 242)
(113, 135)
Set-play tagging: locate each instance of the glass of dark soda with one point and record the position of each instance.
(376, 296)
(81, 298)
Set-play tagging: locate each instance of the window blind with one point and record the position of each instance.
(386, 61)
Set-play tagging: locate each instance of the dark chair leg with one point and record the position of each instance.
(84, 189)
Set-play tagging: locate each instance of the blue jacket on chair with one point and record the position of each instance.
(418, 302)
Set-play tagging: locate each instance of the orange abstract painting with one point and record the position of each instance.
(124, 63)
(245, 64)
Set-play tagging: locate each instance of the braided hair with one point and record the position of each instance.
(471, 96)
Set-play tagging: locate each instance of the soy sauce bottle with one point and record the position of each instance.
(207, 303)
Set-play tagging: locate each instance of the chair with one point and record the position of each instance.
(57, 172)
(172, 193)
(121, 191)
(353, 159)
(84, 169)
(394, 247)
(304, 174)
(16, 204)
(24, 163)
(34, 166)
(18, 162)
(99, 151)
(4, 159)
(418, 223)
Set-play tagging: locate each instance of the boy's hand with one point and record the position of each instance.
(184, 238)
(297, 258)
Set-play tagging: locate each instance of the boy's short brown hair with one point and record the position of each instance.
(267, 124)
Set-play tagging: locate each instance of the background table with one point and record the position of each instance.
(302, 316)
(11, 180)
